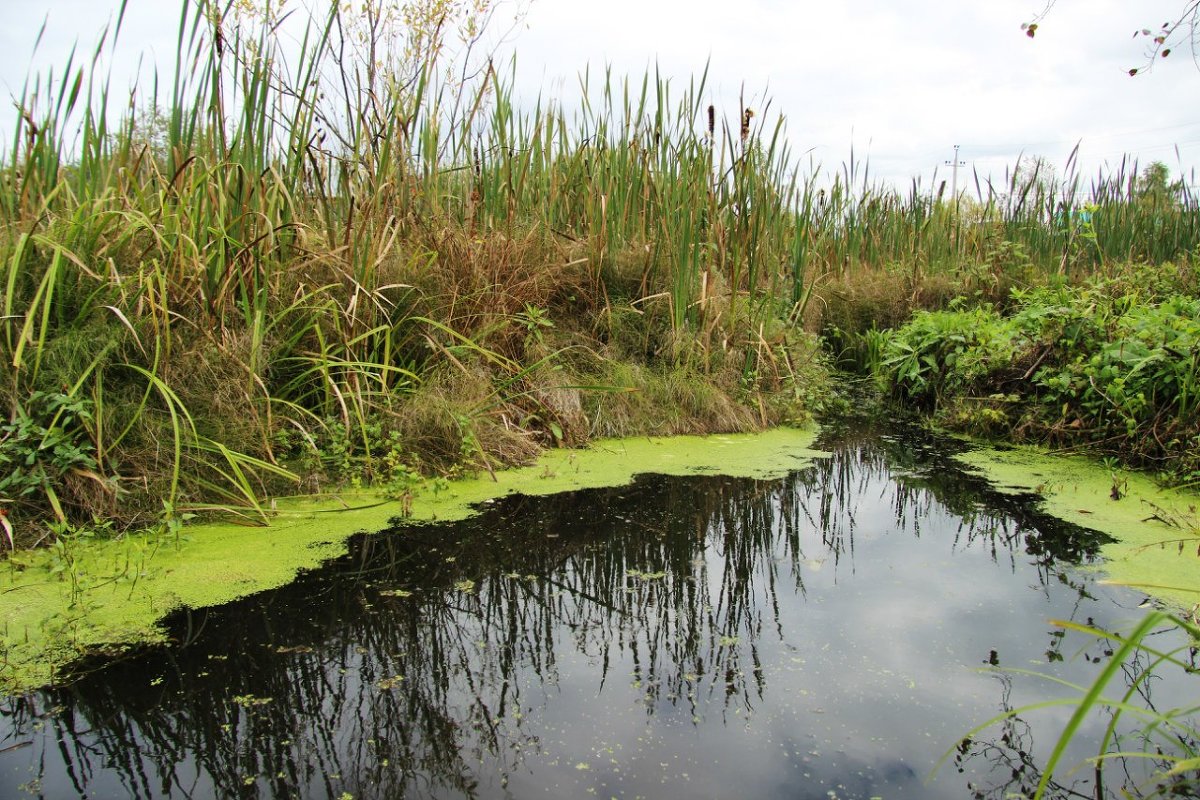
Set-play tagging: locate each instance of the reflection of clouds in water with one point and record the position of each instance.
(874, 679)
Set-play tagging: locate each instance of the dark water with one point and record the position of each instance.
(822, 636)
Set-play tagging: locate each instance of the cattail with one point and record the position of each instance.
(218, 34)
(746, 115)
(712, 121)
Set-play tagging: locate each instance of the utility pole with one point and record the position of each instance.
(955, 164)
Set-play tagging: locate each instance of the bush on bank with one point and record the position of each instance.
(1112, 364)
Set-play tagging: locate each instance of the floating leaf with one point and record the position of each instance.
(387, 684)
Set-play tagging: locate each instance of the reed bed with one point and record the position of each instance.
(288, 266)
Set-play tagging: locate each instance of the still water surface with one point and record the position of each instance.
(827, 635)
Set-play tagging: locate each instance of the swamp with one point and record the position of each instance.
(372, 429)
(831, 632)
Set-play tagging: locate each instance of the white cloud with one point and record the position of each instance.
(910, 79)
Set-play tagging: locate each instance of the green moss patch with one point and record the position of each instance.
(1157, 530)
(86, 596)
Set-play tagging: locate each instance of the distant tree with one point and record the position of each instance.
(1154, 185)
(1034, 174)
(1153, 179)
(1162, 39)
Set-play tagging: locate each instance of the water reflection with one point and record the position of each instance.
(807, 637)
(1005, 755)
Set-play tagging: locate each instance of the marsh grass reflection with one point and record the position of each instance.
(443, 660)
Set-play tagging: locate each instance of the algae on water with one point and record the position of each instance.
(105, 596)
(1156, 529)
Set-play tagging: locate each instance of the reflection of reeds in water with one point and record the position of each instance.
(669, 584)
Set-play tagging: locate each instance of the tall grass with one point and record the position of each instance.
(283, 239)
(1056, 225)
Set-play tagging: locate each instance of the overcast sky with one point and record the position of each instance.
(902, 81)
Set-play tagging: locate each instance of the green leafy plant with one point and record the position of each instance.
(938, 353)
(46, 439)
(1112, 363)
(535, 321)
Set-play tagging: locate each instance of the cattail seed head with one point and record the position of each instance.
(746, 116)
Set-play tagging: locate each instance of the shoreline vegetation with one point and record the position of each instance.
(295, 272)
(293, 268)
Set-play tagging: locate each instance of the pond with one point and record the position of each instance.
(825, 635)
